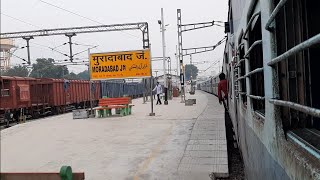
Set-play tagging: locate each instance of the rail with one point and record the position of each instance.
(253, 72)
(306, 109)
(300, 47)
(242, 93)
(256, 97)
(251, 47)
(274, 14)
(249, 23)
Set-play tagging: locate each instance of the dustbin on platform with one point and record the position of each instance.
(175, 92)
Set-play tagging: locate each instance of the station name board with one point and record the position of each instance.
(120, 65)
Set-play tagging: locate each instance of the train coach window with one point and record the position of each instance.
(5, 92)
(255, 74)
(297, 22)
(242, 73)
(4, 88)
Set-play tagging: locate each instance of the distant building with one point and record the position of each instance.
(174, 79)
(202, 78)
(5, 46)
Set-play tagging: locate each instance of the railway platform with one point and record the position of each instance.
(179, 142)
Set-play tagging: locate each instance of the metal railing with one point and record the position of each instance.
(259, 42)
(306, 109)
(253, 72)
(300, 47)
(249, 24)
(241, 77)
(274, 14)
(239, 47)
(255, 97)
(242, 93)
(238, 64)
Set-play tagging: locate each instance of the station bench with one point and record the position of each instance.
(122, 104)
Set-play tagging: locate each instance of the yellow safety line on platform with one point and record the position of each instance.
(153, 154)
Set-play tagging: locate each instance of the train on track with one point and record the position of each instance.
(31, 98)
(271, 62)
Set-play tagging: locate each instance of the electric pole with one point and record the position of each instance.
(162, 25)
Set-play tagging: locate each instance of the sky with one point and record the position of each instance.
(19, 15)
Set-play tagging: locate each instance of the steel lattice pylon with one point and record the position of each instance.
(189, 51)
(143, 26)
(180, 55)
(69, 32)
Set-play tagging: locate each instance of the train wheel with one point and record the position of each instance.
(59, 110)
(54, 111)
(35, 114)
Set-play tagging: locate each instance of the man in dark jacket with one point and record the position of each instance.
(8, 117)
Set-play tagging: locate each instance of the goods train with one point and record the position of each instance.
(35, 97)
(271, 61)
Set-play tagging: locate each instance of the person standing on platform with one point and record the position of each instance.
(8, 117)
(158, 90)
(223, 91)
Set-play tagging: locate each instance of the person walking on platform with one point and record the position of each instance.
(223, 91)
(8, 117)
(158, 90)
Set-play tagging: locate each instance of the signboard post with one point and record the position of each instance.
(151, 88)
(121, 65)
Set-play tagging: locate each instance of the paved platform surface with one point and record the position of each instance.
(180, 142)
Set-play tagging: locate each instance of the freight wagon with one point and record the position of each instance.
(36, 97)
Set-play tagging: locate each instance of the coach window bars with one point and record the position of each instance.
(236, 76)
(297, 33)
(254, 58)
(230, 76)
(242, 67)
(253, 17)
(273, 15)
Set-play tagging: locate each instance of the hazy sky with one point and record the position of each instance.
(42, 15)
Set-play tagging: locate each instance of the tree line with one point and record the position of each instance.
(45, 68)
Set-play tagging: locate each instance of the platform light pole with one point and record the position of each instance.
(162, 26)
(91, 114)
(28, 48)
